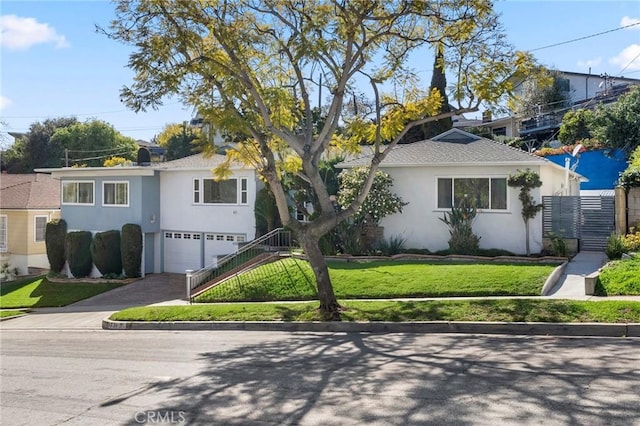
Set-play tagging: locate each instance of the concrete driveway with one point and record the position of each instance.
(89, 313)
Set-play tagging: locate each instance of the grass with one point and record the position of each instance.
(508, 310)
(621, 277)
(39, 292)
(11, 313)
(292, 279)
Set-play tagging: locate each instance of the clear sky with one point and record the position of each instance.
(53, 63)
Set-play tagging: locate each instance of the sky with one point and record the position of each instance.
(54, 64)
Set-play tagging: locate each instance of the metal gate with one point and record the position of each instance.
(589, 219)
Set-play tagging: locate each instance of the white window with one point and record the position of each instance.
(3, 233)
(77, 192)
(486, 193)
(115, 194)
(230, 191)
(39, 228)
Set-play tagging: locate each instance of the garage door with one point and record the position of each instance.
(182, 251)
(219, 244)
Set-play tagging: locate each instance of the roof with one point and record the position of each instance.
(29, 191)
(454, 147)
(196, 162)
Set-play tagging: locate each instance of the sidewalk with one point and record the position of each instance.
(169, 289)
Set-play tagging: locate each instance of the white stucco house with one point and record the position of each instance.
(431, 175)
(187, 217)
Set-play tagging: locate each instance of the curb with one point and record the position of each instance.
(521, 328)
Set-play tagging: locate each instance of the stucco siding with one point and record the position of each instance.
(420, 222)
(90, 217)
(179, 213)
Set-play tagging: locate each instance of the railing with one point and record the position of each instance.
(276, 240)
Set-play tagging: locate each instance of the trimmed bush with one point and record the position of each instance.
(78, 251)
(54, 236)
(105, 252)
(131, 249)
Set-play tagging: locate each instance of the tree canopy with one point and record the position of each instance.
(180, 140)
(252, 68)
(90, 143)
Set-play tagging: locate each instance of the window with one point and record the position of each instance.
(230, 191)
(40, 226)
(3, 233)
(115, 194)
(80, 192)
(487, 193)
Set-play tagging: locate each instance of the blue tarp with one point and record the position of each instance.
(602, 167)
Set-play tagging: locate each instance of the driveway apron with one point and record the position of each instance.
(89, 313)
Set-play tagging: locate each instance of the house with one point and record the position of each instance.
(27, 203)
(582, 90)
(188, 219)
(432, 175)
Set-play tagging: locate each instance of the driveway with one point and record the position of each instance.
(89, 313)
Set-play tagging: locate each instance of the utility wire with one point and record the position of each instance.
(632, 61)
(585, 37)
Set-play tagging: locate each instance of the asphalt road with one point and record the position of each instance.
(95, 377)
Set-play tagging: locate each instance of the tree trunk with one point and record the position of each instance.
(329, 306)
(526, 236)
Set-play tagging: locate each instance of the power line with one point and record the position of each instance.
(632, 61)
(585, 37)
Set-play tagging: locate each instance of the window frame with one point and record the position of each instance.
(242, 191)
(35, 227)
(4, 238)
(489, 195)
(76, 203)
(116, 183)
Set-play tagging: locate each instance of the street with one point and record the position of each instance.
(95, 377)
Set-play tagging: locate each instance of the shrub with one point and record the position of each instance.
(105, 252)
(392, 245)
(631, 242)
(131, 249)
(615, 247)
(78, 252)
(460, 221)
(54, 236)
(558, 245)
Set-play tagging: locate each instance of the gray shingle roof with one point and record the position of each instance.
(29, 191)
(454, 147)
(196, 161)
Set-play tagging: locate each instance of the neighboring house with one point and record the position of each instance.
(583, 91)
(601, 166)
(433, 175)
(187, 218)
(27, 203)
(156, 152)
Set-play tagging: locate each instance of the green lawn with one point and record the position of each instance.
(292, 279)
(39, 293)
(621, 277)
(11, 313)
(509, 310)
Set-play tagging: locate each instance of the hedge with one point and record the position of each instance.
(131, 249)
(105, 252)
(78, 252)
(54, 236)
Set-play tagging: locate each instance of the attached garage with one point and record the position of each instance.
(182, 251)
(187, 250)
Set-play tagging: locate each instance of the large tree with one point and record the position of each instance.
(36, 149)
(179, 140)
(250, 67)
(90, 143)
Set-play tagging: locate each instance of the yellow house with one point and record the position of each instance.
(27, 203)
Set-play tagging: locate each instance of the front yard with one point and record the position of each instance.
(39, 292)
(292, 279)
(620, 277)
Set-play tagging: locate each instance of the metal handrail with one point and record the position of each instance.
(196, 278)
